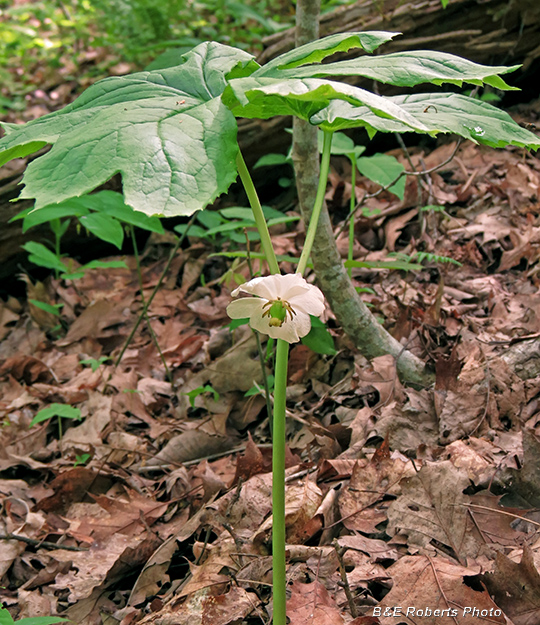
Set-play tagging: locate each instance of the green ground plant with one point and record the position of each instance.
(201, 390)
(60, 411)
(171, 133)
(103, 214)
(7, 619)
(95, 363)
(228, 225)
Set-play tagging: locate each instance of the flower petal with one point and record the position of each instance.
(290, 331)
(304, 298)
(246, 307)
(274, 286)
(260, 323)
(311, 302)
(291, 284)
(287, 332)
(265, 287)
(302, 323)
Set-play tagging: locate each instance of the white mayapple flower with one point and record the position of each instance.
(281, 307)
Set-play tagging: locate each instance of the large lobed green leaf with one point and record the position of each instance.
(317, 51)
(405, 69)
(440, 112)
(108, 203)
(166, 131)
(263, 98)
(292, 84)
(171, 133)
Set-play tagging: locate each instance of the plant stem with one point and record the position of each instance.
(352, 207)
(145, 308)
(258, 338)
(279, 579)
(319, 201)
(258, 214)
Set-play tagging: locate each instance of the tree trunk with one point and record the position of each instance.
(353, 315)
(492, 32)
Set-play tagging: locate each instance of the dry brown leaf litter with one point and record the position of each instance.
(421, 496)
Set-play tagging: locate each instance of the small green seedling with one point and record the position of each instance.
(81, 459)
(7, 619)
(53, 309)
(229, 224)
(200, 390)
(95, 363)
(62, 411)
(257, 389)
(104, 214)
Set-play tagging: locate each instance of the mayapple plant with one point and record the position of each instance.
(172, 135)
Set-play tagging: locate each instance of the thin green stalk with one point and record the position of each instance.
(279, 579)
(145, 309)
(176, 247)
(258, 214)
(319, 201)
(351, 211)
(258, 338)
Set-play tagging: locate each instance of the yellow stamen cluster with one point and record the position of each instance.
(276, 311)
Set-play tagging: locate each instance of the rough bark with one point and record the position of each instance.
(353, 315)
(492, 32)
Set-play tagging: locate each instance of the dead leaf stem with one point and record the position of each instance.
(145, 307)
(340, 552)
(435, 575)
(156, 289)
(515, 516)
(41, 543)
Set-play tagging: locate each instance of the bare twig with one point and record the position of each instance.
(156, 289)
(41, 543)
(340, 552)
(145, 307)
(515, 516)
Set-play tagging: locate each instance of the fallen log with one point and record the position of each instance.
(486, 31)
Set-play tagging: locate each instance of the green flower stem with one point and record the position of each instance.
(279, 578)
(319, 201)
(258, 214)
(279, 570)
(351, 211)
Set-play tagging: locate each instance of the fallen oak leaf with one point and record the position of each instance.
(432, 591)
(311, 604)
(429, 509)
(516, 587)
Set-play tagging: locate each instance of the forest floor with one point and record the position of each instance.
(404, 505)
